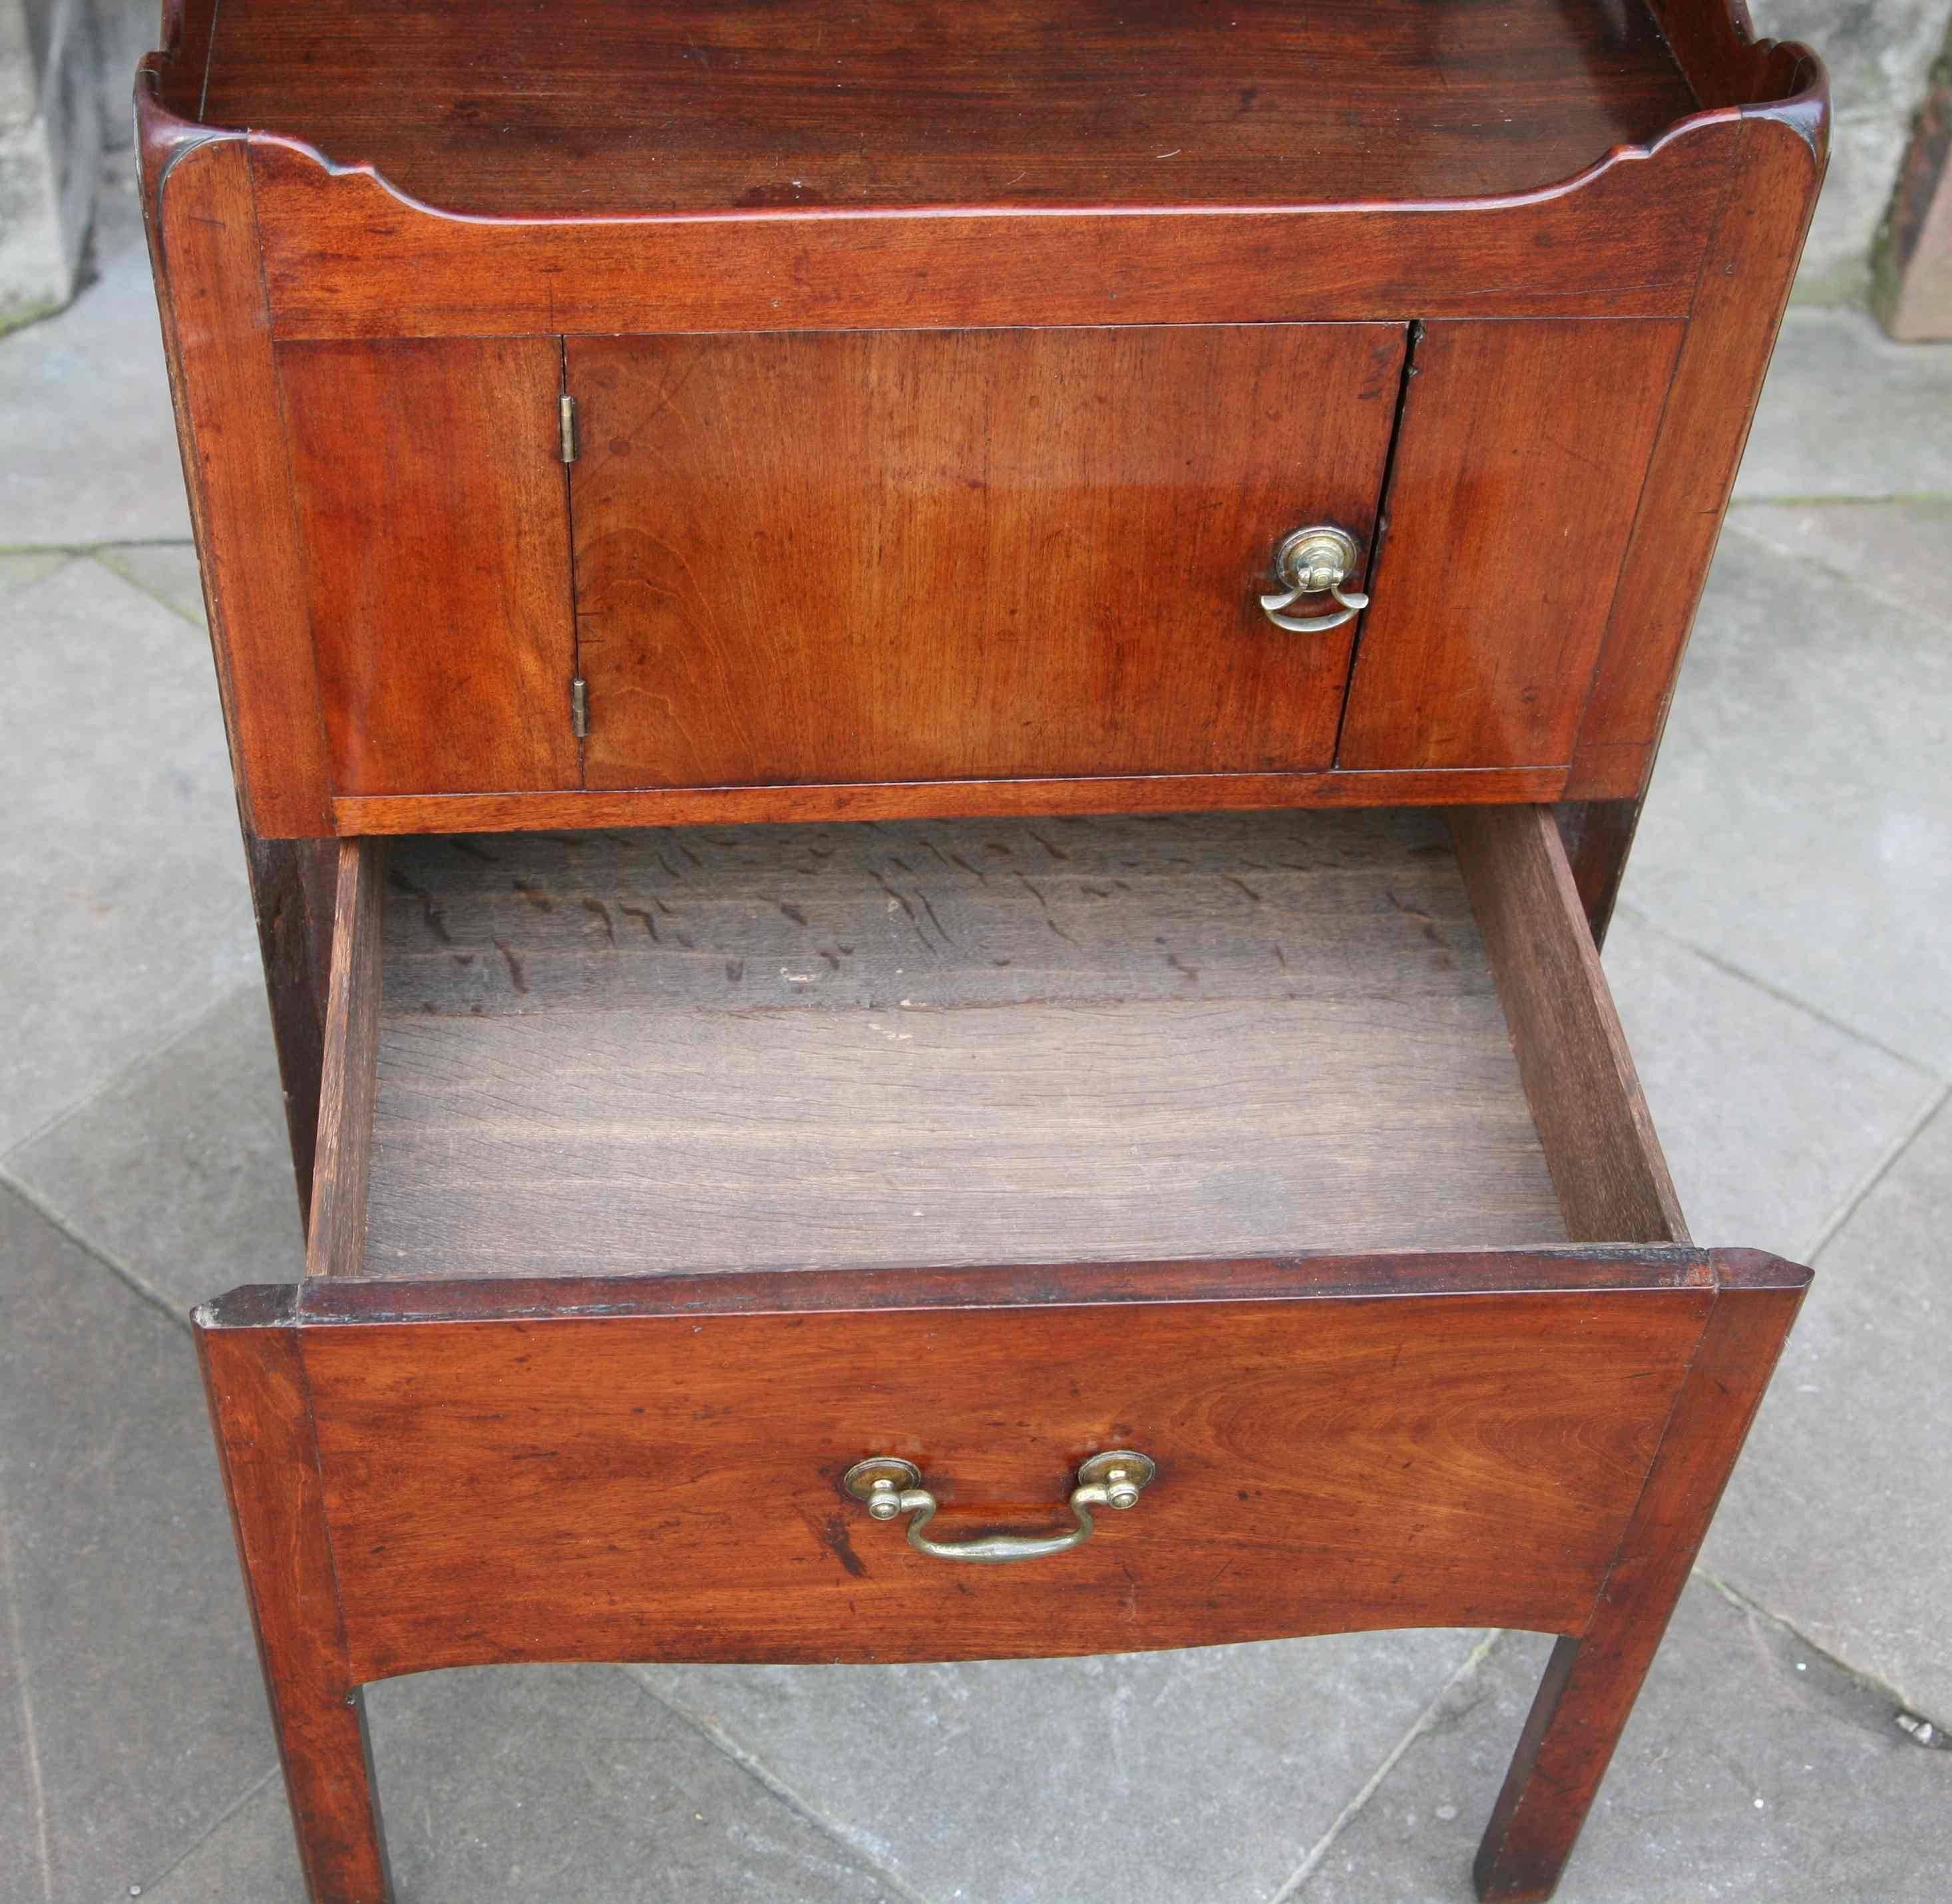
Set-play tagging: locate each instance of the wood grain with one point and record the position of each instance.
(1606, 1160)
(936, 799)
(1509, 515)
(430, 500)
(346, 257)
(487, 106)
(1597, 835)
(1014, 553)
(261, 1413)
(336, 1241)
(917, 1045)
(293, 889)
(1374, 1276)
(204, 245)
(1593, 1680)
(666, 1488)
(1715, 43)
(1745, 286)
(178, 68)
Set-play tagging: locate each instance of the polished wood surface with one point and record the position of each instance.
(1599, 1143)
(204, 241)
(1597, 835)
(435, 1470)
(429, 488)
(448, 813)
(1745, 287)
(262, 1413)
(336, 1232)
(908, 1046)
(488, 106)
(1717, 47)
(1592, 1681)
(906, 555)
(428, 1474)
(620, 1486)
(345, 257)
(333, 1300)
(294, 885)
(1509, 515)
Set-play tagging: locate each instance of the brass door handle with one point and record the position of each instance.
(891, 1488)
(1314, 562)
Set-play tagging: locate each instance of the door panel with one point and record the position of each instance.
(434, 518)
(922, 555)
(1509, 515)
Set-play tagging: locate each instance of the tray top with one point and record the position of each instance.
(505, 107)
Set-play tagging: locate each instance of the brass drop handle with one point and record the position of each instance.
(891, 1487)
(1314, 562)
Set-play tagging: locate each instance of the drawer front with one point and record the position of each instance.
(920, 554)
(669, 1486)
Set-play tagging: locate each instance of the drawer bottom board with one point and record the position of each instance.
(725, 1048)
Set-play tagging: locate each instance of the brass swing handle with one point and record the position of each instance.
(1314, 562)
(891, 1488)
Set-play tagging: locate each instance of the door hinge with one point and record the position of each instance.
(567, 416)
(579, 707)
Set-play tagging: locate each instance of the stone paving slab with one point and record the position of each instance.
(180, 1171)
(1753, 1767)
(134, 1645)
(107, 470)
(1800, 825)
(546, 1783)
(128, 914)
(166, 571)
(1771, 1119)
(1878, 53)
(24, 1867)
(17, 570)
(1903, 551)
(1799, 835)
(1148, 1778)
(1839, 1519)
(1846, 412)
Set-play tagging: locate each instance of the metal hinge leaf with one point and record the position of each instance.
(579, 707)
(567, 415)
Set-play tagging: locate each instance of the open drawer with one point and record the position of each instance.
(934, 1045)
(664, 1177)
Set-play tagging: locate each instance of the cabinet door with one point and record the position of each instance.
(429, 488)
(948, 555)
(1518, 469)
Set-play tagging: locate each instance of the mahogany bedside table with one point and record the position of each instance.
(933, 710)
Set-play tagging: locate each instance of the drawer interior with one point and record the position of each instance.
(1047, 1041)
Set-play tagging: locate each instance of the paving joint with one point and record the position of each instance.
(29, 1733)
(1426, 1721)
(122, 1072)
(1880, 1170)
(121, 1272)
(100, 555)
(1795, 499)
(1730, 969)
(1896, 1706)
(756, 1769)
(1835, 570)
(86, 548)
(209, 1831)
